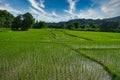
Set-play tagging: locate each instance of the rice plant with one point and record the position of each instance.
(49, 54)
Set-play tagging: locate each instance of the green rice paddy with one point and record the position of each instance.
(56, 54)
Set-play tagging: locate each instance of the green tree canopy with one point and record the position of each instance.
(23, 22)
(73, 25)
(28, 21)
(6, 19)
(109, 26)
(40, 24)
(17, 23)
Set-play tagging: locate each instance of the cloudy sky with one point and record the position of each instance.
(63, 10)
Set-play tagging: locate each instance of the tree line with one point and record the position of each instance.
(6, 19)
(104, 25)
(20, 22)
(23, 22)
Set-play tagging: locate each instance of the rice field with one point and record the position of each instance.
(54, 54)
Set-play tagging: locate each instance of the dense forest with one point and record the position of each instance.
(25, 21)
(105, 25)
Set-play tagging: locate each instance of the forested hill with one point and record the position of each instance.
(114, 19)
(108, 24)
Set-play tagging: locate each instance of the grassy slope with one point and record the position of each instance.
(46, 54)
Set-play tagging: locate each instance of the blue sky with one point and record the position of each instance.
(63, 10)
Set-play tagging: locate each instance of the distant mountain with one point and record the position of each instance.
(114, 19)
(85, 21)
(106, 25)
(96, 20)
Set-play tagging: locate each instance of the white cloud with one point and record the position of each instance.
(72, 8)
(42, 3)
(9, 8)
(37, 10)
(111, 8)
(38, 5)
(90, 14)
(104, 9)
(33, 11)
(40, 14)
(108, 8)
(54, 14)
(48, 17)
(42, 17)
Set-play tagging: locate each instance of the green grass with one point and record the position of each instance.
(50, 54)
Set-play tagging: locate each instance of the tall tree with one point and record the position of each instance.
(6, 19)
(17, 23)
(23, 22)
(28, 21)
